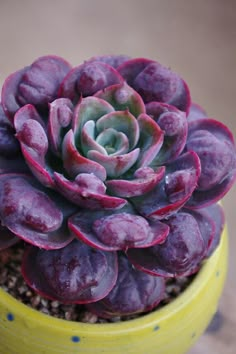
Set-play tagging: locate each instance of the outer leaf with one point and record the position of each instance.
(116, 230)
(75, 274)
(216, 215)
(214, 144)
(134, 292)
(173, 191)
(9, 93)
(179, 255)
(34, 217)
(36, 84)
(87, 79)
(207, 227)
(131, 68)
(155, 82)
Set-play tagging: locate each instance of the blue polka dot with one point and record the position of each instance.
(217, 273)
(193, 334)
(75, 339)
(156, 328)
(10, 317)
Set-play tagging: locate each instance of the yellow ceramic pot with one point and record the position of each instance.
(172, 329)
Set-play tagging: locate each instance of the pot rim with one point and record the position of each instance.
(149, 319)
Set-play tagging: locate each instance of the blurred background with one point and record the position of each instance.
(197, 39)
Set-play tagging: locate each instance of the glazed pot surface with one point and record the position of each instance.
(172, 329)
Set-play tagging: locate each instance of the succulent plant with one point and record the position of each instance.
(111, 177)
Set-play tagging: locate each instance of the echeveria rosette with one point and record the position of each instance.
(96, 142)
(109, 161)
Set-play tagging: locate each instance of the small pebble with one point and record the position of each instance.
(89, 317)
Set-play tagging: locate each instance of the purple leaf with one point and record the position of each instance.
(116, 230)
(179, 255)
(87, 196)
(174, 124)
(34, 143)
(123, 97)
(144, 180)
(135, 292)
(60, 117)
(206, 226)
(75, 274)
(214, 144)
(87, 79)
(131, 68)
(216, 214)
(155, 82)
(34, 217)
(28, 112)
(173, 191)
(36, 84)
(9, 93)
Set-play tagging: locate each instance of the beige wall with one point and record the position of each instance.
(196, 38)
